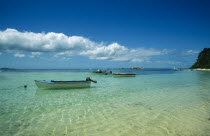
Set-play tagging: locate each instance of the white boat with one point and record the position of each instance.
(175, 69)
(51, 84)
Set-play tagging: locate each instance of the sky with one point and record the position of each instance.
(65, 34)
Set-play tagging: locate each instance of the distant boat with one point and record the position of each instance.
(51, 84)
(175, 69)
(124, 75)
(103, 72)
(99, 71)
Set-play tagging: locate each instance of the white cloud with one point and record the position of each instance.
(19, 55)
(62, 45)
(116, 52)
(190, 52)
(66, 53)
(35, 54)
(65, 58)
(11, 39)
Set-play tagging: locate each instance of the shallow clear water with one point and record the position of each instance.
(155, 102)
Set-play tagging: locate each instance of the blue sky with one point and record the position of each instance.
(102, 33)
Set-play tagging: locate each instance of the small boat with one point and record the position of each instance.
(175, 69)
(99, 71)
(103, 72)
(124, 75)
(51, 84)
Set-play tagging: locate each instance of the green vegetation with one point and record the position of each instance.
(203, 60)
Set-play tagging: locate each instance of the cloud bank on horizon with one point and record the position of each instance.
(12, 40)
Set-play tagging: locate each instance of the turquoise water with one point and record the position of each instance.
(155, 102)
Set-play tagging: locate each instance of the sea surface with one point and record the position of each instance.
(157, 102)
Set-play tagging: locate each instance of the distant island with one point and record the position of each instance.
(203, 61)
(6, 69)
(136, 68)
(132, 68)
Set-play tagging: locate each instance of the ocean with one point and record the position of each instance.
(156, 102)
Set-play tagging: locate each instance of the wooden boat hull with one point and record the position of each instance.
(62, 84)
(105, 73)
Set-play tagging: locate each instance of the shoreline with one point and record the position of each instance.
(202, 69)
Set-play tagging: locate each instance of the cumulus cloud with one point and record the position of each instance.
(62, 45)
(116, 52)
(11, 39)
(19, 55)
